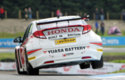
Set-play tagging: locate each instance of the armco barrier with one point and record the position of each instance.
(107, 41)
(113, 41)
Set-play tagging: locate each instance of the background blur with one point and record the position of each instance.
(46, 7)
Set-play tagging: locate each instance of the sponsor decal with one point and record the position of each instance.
(63, 30)
(74, 34)
(31, 58)
(64, 55)
(62, 36)
(100, 50)
(45, 52)
(53, 37)
(63, 41)
(67, 54)
(67, 49)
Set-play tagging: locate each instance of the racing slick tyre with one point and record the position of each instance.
(17, 65)
(97, 64)
(84, 65)
(30, 70)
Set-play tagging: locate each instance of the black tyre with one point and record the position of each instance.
(17, 65)
(30, 70)
(97, 64)
(84, 65)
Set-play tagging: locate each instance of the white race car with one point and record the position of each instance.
(57, 42)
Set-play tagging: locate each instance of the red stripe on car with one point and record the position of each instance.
(32, 51)
(100, 44)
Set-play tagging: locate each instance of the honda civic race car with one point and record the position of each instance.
(58, 42)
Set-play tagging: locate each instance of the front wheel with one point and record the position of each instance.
(97, 64)
(17, 64)
(29, 69)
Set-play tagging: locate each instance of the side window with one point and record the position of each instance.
(30, 30)
(26, 32)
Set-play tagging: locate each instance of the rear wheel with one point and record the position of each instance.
(84, 65)
(29, 69)
(17, 65)
(97, 64)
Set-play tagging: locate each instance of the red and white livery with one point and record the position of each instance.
(57, 42)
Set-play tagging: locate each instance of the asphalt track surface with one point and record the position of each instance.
(12, 75)
(116, 50)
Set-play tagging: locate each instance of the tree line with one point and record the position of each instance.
(71, 7)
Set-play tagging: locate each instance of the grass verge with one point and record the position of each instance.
(114, 54)
(7, 56)
(10, 35)
(118, 61)
(120, 71)
(13, 35)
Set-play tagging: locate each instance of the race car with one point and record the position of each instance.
(57, 42)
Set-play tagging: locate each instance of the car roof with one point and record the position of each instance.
(54, 19)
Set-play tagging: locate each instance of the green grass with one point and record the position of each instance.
(4, 56)
(106, 34)
(118, 61)
(13, 35)
(114, 54)
(120, 71)
(10, 35)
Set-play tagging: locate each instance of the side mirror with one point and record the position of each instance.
(18, 40)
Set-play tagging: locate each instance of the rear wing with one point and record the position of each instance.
(56, 21)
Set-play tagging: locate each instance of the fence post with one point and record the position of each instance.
(52, 14)
(80, 13)
(19, 14)
(77, 13)
(107, 14)
(93, 16)
(121, 16)
(37, 14)
(5, 14)
(66, 14)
